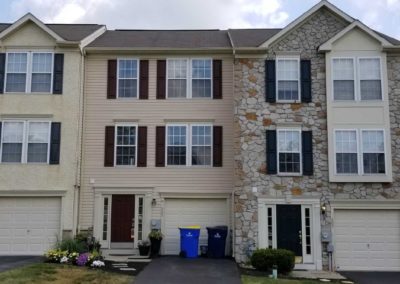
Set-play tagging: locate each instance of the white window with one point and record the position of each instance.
(343, 79)
(346, 152)
(12, 142)
(189, 78)
(189, 144)
(201, 78)
(289, 151)
(128, 83)
(16, 72)
(373, 148)
(354, 84)
(201, 145)
(177, 78)
(30, 72)
(125, 145)
(177, 145)
(38, 142)
(288, 79)
(370, 79)
(350, 158)
(25, 142)
(42, 66)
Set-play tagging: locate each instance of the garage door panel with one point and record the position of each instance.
(370, 241)
(28, 225)
(186, 212)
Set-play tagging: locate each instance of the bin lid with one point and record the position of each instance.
(190, 227)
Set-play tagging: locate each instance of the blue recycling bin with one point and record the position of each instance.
(190, 241)
(216, 241)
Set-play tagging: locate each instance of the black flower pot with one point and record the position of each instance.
(155, 247)
(144, 250)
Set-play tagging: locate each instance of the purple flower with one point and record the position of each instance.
(82, 259)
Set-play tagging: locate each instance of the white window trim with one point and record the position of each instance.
(307, 257)
(29, 66)
(360, 164)
(188, 78)
(116, 145)
(357, 80)
(300, 151)
(188, 145)
(137, 78)
(362, 151)
(297, 58)
(211, 145)
(25, 141)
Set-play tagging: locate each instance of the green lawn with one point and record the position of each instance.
(264, 280)
(61, 274)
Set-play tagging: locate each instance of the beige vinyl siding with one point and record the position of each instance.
(100, 112)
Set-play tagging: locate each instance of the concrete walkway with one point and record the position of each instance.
(11, 262)
(316, 274)
(176, 270)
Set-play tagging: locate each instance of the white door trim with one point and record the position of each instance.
(101, 192)
(314, 205)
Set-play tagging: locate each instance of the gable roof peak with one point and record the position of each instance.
(322, 4)
(24, 19)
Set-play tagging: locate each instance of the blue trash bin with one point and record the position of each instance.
(190, 241)
(216, 241)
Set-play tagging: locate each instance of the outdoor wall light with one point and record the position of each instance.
(323, 209)
(154, 202)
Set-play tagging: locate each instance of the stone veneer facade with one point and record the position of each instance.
(253, 116)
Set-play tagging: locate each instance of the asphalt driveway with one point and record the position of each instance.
(363, 277)
(175, 270)
(10, 262)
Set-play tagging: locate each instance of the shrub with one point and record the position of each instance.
(265, 259)
(82, 259)
(72, 245)
(55, 255)
(155, 234)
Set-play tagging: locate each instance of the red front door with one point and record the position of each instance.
(122, 218)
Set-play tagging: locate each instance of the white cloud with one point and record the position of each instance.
(161, 14)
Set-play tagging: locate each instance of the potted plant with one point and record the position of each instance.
(144, 247)
(155, 237)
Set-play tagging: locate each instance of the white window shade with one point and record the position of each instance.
(177, 78)
(38, 142)
(343, 79)
(370, 79)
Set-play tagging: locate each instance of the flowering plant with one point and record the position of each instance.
(97, 263)
(55, 255)
(64, 259)
(82, 259)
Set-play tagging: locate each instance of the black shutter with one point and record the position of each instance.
(55, 141)
(109, 146)
(217, 146)
(142, 147)
(112, 79)
(161, 79)
(270, 81)
(144, 80)
(58, 73)
(306, 141)
(306, 81)
(0, 130)
(271, 152)
(2, 71)
(217, 79)
(160, 146)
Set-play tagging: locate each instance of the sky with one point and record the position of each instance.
(382, 15)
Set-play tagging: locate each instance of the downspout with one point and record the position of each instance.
(79, 141)
(233, 191)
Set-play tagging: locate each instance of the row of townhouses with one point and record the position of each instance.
(290, 137)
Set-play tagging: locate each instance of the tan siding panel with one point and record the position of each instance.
(100, 112)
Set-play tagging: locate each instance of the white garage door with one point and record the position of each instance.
(186, 212)
(367, 240)
(28, 226)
